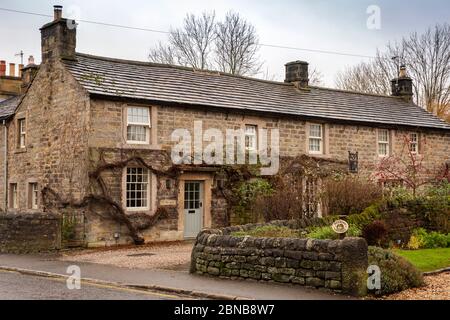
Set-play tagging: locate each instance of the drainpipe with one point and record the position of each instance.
(5, 173)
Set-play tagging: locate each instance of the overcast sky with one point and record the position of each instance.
(333, 25)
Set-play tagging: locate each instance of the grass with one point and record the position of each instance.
(269, 232)
(427, 259)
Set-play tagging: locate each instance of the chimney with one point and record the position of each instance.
(297, 73)
(12, 69)
(28, 73)
(57, 12)
(58, 38)
(403, 85)
(2, 68)
(20, 70)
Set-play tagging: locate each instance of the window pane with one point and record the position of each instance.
(251, 137)
(315, 145)
(137, 188)
(137, 133)
(138, 115)
(315, 131)
(383, 135)
(383, 149)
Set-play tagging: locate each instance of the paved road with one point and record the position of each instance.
(15, 286)
(170, 279)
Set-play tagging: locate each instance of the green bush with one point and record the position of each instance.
(421, 239)
(247, 193)
(269, 231)
(397, 274)
(432, 207)
(327, 232)
(369, 215)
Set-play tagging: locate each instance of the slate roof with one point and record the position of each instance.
(8, 107)
(173, 84)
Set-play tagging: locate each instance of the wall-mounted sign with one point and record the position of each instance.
(168, 203)
(340, 226)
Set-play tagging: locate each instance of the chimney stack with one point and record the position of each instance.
(2, 68)
(403, 85)
(298, 74)
(58, 38)
(28, 73)
(57, 12)
(20, 70)
(12, 69)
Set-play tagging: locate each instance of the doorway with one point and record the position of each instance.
(193, 208)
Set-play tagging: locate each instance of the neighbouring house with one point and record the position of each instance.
(11, 83)
(92, 137)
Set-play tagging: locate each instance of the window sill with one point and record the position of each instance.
(23, 150)
(142, 211)
(140, 146)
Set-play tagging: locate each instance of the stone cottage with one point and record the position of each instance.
(93, 136)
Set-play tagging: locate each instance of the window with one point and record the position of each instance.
(316, 138)
(414, 143)
(22, 133)
(251, 140)
(138, 125)
(137, 189)
(13, 200)
(33, 196)
(383, 142)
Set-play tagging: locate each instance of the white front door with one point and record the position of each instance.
(193, 208)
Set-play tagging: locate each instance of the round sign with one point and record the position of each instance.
(340, 226)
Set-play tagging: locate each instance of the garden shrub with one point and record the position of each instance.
(375, 233)
(269, 231)
(421, 239)
(349, 195)
(397, 274)
(284, 203)
(369, 215)
(247, 193)
(326, 232)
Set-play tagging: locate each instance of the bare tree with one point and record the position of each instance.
(237, 46)
(316, 78)
(427, 56)
(190, 45)
(163, 54)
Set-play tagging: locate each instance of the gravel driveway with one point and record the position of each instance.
(171, 256)
(437, 288)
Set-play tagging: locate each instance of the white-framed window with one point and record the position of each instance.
(13, 196)
(33, 197)
(414, 142)
(138, 125)
(315, 138)
(251, 137)
(22, 133)
(137, 189)
(383, 142)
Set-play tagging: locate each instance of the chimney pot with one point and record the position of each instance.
(297, 73)
(402, 72)
(57, 12)
(12, 69)
(30, 60)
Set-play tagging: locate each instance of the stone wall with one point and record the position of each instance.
(2, 168)
(337, 265)
(27, 233)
